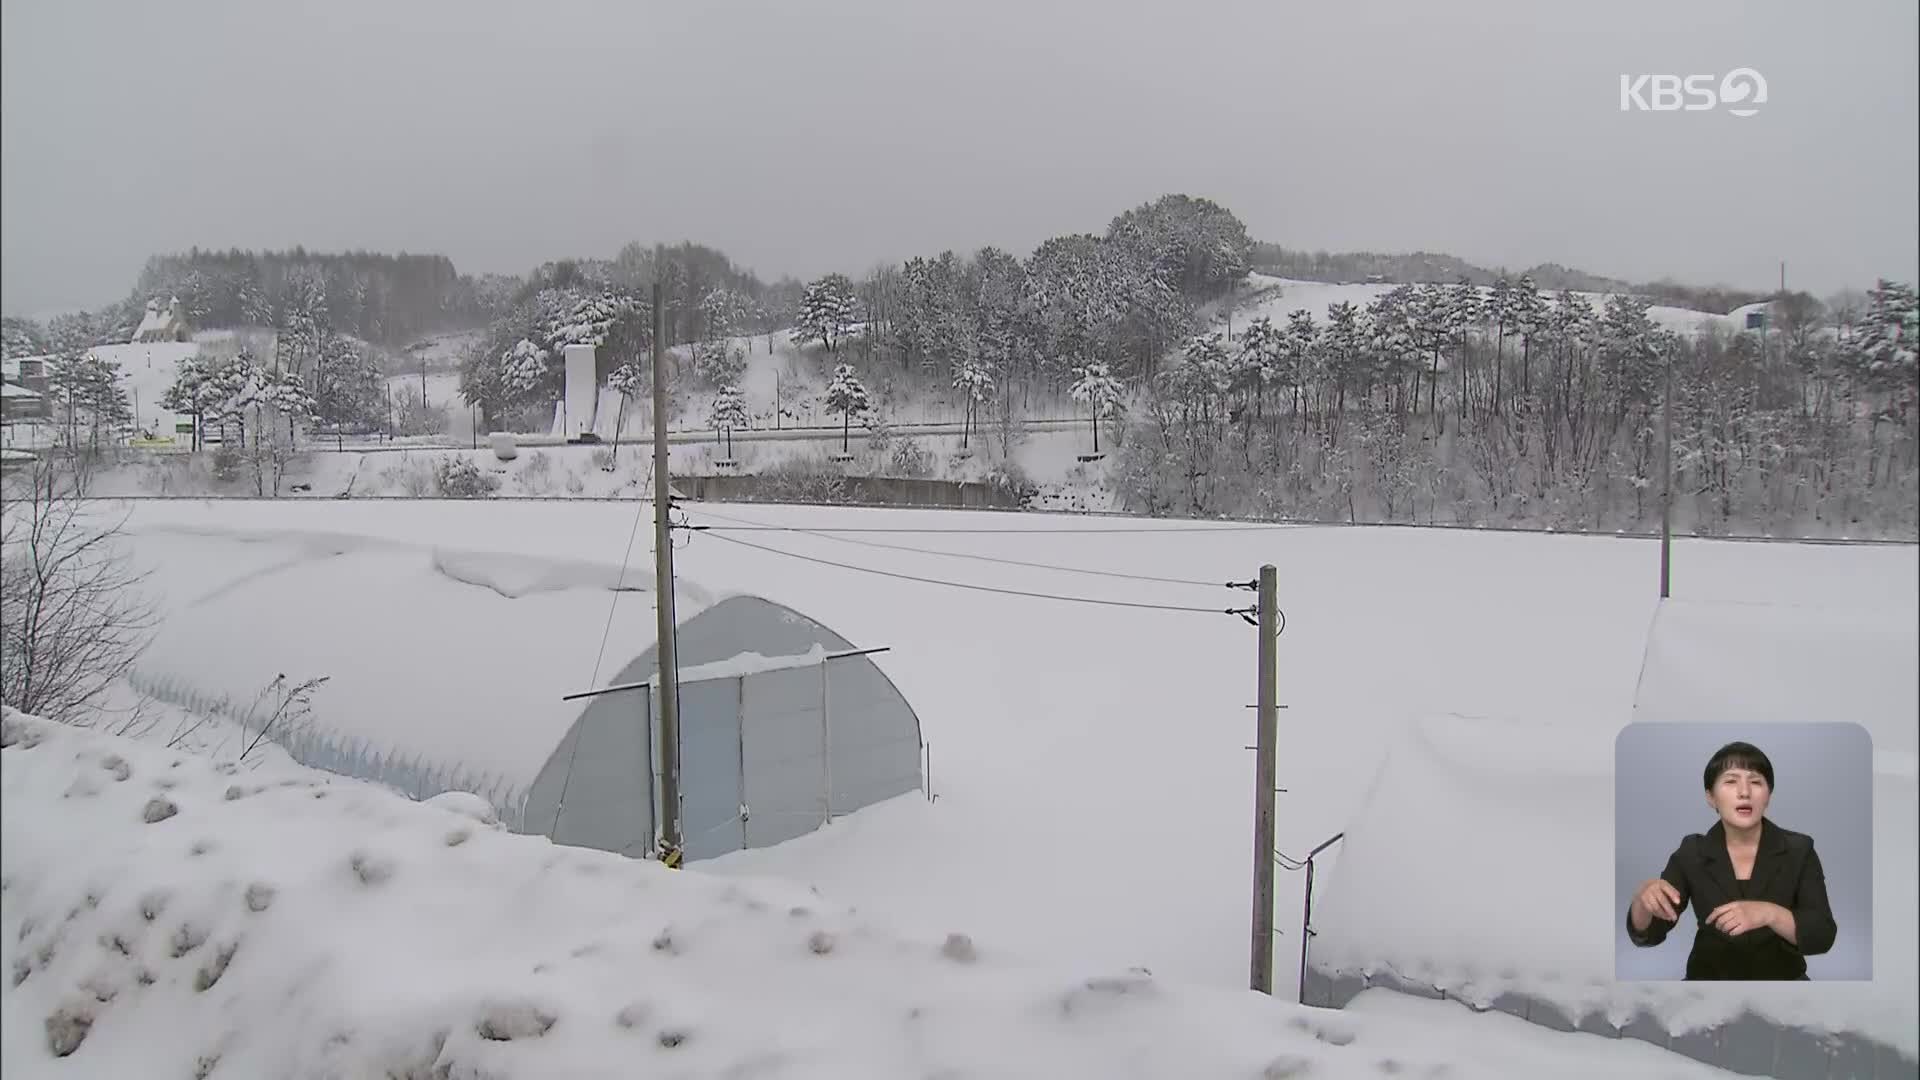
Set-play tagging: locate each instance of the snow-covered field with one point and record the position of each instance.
(1089, 761)
(1276, 298)
(165, 915)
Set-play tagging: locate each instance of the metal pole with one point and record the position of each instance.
(663, 602)
(1265, 775)
(1666, 496)
(1306, 922)
(826, 748)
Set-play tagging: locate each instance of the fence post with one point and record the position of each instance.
(826, 748)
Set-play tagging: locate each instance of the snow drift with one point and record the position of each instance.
(161, 915)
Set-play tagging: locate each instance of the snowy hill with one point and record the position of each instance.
(1275, 298)
(165, 915)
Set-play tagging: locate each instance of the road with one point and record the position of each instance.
(800, 434)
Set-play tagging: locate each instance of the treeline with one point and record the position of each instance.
(707, 301)
(1421, 267)
(1458, 404)
(983, 323)
(392, 299)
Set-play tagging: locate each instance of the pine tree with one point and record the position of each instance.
(846, 395)
(729, 412)
(827, 312)
(21, 337)
(629, 382)
(1095, 385)
(1259, 362)
(973, 377)
(1300, 358)
(1880, 353)
(1527, 317)
(1344, 349)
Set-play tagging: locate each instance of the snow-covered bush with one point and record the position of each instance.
(459, 478)
(910, 459)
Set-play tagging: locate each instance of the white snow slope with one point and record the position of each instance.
(166, 916)
(1276, 298)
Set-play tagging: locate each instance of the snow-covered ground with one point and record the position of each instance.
(1048, 457)
(164, 915)
(1101, 749)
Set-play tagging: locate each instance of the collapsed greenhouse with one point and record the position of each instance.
(448, 670)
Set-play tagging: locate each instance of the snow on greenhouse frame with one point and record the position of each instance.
(451, 671)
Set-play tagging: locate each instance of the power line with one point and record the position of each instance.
(971, 587)
(990, 558)
(614, 605)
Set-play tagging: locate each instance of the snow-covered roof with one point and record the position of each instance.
(1458, 797)
(457, 656)
(9, 390)
(159, 318)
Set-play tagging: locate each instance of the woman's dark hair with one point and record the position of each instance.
(1738, 755)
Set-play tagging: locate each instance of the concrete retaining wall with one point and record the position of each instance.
(859, 490)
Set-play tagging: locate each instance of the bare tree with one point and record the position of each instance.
(72, 617)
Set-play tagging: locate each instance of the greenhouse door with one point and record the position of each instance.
(710, 795)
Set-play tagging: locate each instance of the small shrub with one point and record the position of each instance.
(460, 478)
(226, 464)
(413, 478)
(1009, 475)
(539, 464)
(603, 458)
(910, 459)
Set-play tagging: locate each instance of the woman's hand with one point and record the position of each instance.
(1739, 916)
(1657, 898)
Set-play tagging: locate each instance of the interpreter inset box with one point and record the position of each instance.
(1743, 852)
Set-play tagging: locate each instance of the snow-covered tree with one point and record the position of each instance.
(729, 412)
(1300, 362)
(193, 393)
(91, 396)
(21, 337)
(847, 395)
(349, 388)
(1527, 317)
(524, 367)
(827, 311)
(1095, 385)
(630, 382)
(973, 378)
(280, 403)
(1256, 370)
(1880, 353)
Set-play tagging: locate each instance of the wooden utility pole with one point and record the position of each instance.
(1265, 777)
(1666, 494)
(663, 599)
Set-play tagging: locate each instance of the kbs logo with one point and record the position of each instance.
(1740, 91)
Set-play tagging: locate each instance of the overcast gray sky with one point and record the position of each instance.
(810, 136)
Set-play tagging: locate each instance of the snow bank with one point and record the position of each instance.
(161, 915)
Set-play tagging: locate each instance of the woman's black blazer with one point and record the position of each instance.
(1786, 872)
